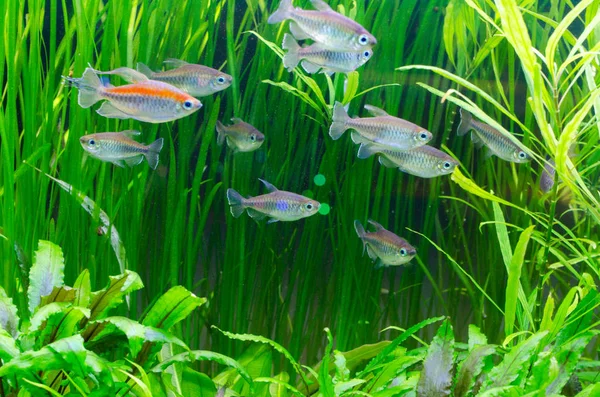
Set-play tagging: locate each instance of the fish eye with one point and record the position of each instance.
(423, 136)
(402, 252)
(367, 54)
(522, 155)
(363, 39)
(221, 79)
(447, 165)
(309, 206)
(92, 142)
(188, 105)
(253, 137)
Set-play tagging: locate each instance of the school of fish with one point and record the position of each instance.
(339, 45)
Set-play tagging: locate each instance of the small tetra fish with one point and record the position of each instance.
(144, 100)
(494, 140)
(423, 161)
(241, 136)
(383, 246)
(315, 58)
(196, 80)
(119, 149)
(325, 26)
(382, 129)
(278, 205)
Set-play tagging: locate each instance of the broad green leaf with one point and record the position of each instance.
(83, 289)
(274, 345)
(436, 376)
(202, 355)
(514, 363)
(505, 391)
(46, 272)
(197, 384)
(66, 354)
(41, 315)
(254, 353)
(553, 369)
(546, 322)
(561, 314)
(325, 382)
(476, 337)
(579, 319)
(342, 373)
(470, 368)
(342, 388)
(396, 342)
(590, 391)
(9, 319)
(8, 347)
(172, 307)
(514, 287)
(59, 294)
(485, 50)
(393, 369)
(108, 329)
(104, 300)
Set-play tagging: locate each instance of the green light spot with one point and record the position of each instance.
(319, 179)
(308, 193)
(324, 209)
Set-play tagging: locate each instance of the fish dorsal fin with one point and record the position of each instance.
(377, 226)
(237, 120)
(375, 111)
(269, 187)
(128, 74)
(175, 63)
(131, 133)
(321, 5)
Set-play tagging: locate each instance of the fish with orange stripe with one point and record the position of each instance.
(144, 100)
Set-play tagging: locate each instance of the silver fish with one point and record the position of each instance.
(315, 58)
(241, 136)
(548, 174)
(196, 80)
(383, 246)
(144, 100)
(382, 129)
(119, 148)
(494, 140)
(423, 161)
(278, 205)
(325, 26)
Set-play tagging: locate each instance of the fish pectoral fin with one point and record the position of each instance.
(175, 63)
(110, 111)
(254, 214)
(321, 5)
(488, 153)
(119, 163)
(131, 133)
(379, 264)
(131, 161)
(476, 140)
(269, 186)
(310, 67)
(387, 162)
(272, 220)
(375, 111)
(371, 253)
(297, 31)
(359, 139)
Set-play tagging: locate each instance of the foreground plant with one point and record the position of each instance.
(67, 342)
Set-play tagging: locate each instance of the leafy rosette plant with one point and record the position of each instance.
(67, 343)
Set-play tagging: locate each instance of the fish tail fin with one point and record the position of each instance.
(153, 151)
(89, 86)
(360, 230)
(145, 70)
(291, 57)
(365, 151)
(465, 122)
(282, 13)
(236, 201)
(340, 118)
(221, 133)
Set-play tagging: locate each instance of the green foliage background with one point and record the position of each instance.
(289, 281)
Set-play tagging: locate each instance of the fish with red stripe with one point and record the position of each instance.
(144, 100)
